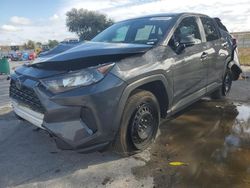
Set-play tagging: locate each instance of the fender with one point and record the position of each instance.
(131, 87)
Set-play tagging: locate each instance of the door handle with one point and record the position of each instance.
(204, 55)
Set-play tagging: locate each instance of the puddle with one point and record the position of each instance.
(240, 133)
(213, 138)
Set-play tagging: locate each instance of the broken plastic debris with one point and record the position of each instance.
(178, 163)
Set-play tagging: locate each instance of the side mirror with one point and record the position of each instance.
(186, 42)
(180, 48)
(189, 41)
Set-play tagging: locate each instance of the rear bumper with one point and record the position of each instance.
(81, 119)
(234, 65)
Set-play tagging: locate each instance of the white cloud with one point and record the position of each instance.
(93, 5)
(55, 17)
(39, 30)
(41, 33)
(235, 14)
(9, 28)
(20, 20)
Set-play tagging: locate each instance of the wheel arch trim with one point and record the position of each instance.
(131, 87)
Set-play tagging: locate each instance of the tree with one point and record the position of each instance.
(52, 43)
(29, 45)
(38, 44)
(86, 24)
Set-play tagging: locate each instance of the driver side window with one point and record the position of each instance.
(186, 34)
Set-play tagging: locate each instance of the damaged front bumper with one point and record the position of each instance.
(28, 114)
(81, 119)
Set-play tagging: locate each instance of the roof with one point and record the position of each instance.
(167, 15)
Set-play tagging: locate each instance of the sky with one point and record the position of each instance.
(21, 20)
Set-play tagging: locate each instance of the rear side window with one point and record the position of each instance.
(220, 24)
(210, 29)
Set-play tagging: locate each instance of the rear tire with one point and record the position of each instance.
(223, 91)
(139, 123)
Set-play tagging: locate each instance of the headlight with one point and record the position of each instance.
(76, 79)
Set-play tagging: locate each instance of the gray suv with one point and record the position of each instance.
(114, 89)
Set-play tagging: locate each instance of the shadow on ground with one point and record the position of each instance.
(28, 155)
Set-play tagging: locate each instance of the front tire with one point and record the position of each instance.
(139, 124)
(223, 91)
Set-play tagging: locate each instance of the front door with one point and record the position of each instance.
(190, 68)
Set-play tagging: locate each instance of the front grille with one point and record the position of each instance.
(26, 96)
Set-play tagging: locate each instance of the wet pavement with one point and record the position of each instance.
(210, 139)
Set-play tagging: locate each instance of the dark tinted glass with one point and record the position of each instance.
(210, 29)
(220, 24)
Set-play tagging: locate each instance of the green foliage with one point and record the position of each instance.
(52, 43)
(86, 24)
(29, 45)
(38, 44)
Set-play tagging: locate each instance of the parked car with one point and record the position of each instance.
(114, 89)
(32, 55)
(16, 56)
(25, 56)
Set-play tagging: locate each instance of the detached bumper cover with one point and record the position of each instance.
(29, 115)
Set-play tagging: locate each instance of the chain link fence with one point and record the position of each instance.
(243, 43)
(243, 39)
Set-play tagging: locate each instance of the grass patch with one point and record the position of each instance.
(244, 55)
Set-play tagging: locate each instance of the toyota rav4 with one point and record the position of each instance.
(115, 89)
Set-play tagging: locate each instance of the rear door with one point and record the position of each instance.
(189, 70)
(217, 50)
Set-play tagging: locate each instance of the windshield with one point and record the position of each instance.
(138, 31)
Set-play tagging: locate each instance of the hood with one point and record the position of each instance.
(36, 73)
(61, 47)
(90, 54)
